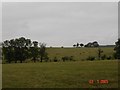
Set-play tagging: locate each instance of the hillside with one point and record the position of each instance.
(78, 53)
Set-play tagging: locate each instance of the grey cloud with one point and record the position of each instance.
(61, 23)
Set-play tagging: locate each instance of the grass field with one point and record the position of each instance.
(60, 74)
(78, 53)
(0, 76)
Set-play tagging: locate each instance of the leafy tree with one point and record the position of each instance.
(16, 49)
(92, 44)
(34, 51)
(22, 49)
(95, 44)
(117, 49)
(74, 45)
(99, 53)
(81, 44)
(55, 59)
(42, 50)
(103, 57)
(88, 45)
(77, 44)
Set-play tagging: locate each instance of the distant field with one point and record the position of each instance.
(60, 74)
(78, 53)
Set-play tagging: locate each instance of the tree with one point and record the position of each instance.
(42, 50)
(74, 45)
(95, 44)
(92, 44)
(81, 44)
(77, 45)
(99, 53)
(21, 49)
(34, 50)
(117, 49)
(7, 51)
(16, 49)
(88, 44)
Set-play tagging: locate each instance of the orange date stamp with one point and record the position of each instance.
(98, 81)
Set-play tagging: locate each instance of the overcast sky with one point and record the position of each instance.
(61, 24)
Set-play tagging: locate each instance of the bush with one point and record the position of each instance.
(91, 58)
(55, 59)
(103, 57)
(64, 58)
(67, 58)
(114, 56)
(109, 57)
(71, 58)
(46, 59)
(62, 47)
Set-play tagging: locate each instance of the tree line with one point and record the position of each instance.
(20, 49)
(90, 44)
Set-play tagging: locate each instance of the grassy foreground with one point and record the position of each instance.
(60, 74)
(0, 76)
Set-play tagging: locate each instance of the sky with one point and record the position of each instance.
(61, 23)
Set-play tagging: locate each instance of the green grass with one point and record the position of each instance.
(60, 74)
(0, 76)
(78, 53)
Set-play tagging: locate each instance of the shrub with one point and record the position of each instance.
(46, 59)
(114, 56)
(109, 57)
(91, 58)
(64, 58)
(67, 58)
(71, 58)
(62, 47)
(103, 57)
(55, 59)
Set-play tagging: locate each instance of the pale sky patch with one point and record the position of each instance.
(61, 23)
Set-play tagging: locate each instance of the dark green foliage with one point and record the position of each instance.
(92, 44)
(21, 49)
(71, 58)
(99, 53)
(117, 49)
(114, 55)
(46, 58)
(77, 44)
(62, 47)
(103, 57)
(34, 53)
(95, 44)
(74, 45)
(109, 57)
(81, 44)
(91, 58)
(55, 59)
(16, 49)
(65, 58)
(42, 51)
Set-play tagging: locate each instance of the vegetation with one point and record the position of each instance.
(93, 63)
(99, 53)
(79, 53)
(117, 49)
(22, 49)
(60, 74)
